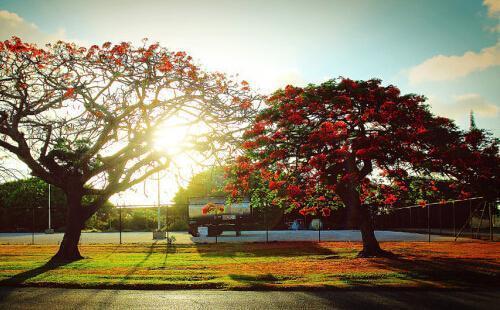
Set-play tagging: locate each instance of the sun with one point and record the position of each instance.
(172, 137)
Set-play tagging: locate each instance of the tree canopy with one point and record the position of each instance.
(85, 119)
(357, 143)
(207, 183)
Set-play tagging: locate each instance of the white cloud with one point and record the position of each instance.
(493, 7)
(12, 24)
(461, 106)
(445, 68)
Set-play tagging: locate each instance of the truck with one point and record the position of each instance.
(220, 217)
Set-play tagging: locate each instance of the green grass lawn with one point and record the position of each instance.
(290, 265)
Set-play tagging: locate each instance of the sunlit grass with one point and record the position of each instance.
(266, 266)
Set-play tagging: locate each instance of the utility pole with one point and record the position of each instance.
(158, 199)
(158, 234)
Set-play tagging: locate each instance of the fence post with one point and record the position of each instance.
(33, 225)
(429, 222)
(216, 226)
(120, 224)
(491, 221)
(166, 222)
(410, 217)
(267, 225)
(440, 219)
(454, 227)
(470, 219)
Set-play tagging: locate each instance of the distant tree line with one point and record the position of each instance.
(24, 207)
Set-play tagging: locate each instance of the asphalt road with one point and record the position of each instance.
(229, 236)
(52, 298)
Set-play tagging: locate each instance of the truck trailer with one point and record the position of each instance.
(220, 217)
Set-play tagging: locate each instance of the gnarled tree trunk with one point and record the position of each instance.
(75, 220)
(362, 218)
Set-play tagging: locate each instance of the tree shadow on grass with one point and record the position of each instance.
(139, 264)
(19, 280)
(260, 249)
(450, 272)
(169, 249)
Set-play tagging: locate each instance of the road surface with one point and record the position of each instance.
(52, 298)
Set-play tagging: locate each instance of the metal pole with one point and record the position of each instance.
(120, 224)
(410, 217)
(454, 226)
(33, 225)
(267, 226)
(49, 207)
(440, 219)
(491, 221)
(480, 222)
(166, 220)
(470, 219)
(429, 222)
(158, 197)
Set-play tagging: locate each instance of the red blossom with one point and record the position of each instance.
(390, 199)
(326, 212)
(245, 104)
(249, 145)
(70, 92)
(294, 190)
(299, 100)
(274, 185)
(166, 65)
(295, 118)
(290, 91)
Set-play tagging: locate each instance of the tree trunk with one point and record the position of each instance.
(75, 219)
(362, 218)
(371, 246)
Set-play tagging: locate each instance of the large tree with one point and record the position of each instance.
(359, 144)
(85, 120)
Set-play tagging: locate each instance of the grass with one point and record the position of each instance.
(257, 266)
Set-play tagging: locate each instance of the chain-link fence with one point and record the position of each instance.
(474, 218)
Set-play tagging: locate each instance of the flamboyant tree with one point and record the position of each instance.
(355, 143)
(85, 120)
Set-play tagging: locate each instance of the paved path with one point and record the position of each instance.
(51, 298)
(247, 236)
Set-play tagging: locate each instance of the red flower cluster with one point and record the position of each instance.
(70, 93)
(306, 211)
(274, 185)
(294, 190)
(326, 212)
(295, 118)
(390, 199)
(166, 65)
(212, 207)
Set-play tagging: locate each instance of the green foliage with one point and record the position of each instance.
(29, 193)
(22, 200)
(206, 183)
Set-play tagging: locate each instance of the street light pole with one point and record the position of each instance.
(49, 206)
(158, 234)
(158, 197)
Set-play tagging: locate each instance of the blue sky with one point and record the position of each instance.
(272, 43)
(446, 50)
